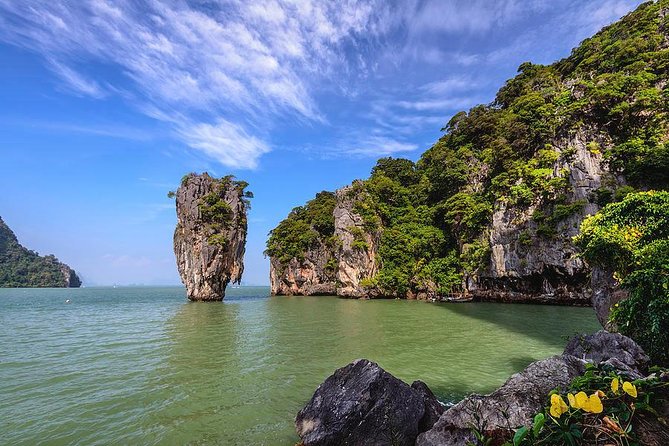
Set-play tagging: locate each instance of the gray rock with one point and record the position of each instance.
(206, 267)
(512, 405)
(604, 346)
(528, 267)
(606, 292)
(362, 404)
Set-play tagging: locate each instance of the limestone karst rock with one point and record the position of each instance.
(210, 237)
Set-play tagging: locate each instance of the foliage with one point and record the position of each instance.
(20, 267)
(600, 406)
(608, 101)
(303, 229)
(631, 238)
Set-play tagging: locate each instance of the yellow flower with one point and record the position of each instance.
(615, 385)
(593, 404)
(558, 406)
(581, 399)
(572, 400)
(629, 389)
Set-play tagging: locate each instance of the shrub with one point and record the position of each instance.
(631, 238)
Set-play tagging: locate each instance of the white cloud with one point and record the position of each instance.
(226, 142)
(216, 72)
(375, 146)
(77, 83)
(255, 59)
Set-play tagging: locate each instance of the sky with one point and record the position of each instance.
(105, 105)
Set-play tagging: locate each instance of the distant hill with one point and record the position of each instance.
(21, 267)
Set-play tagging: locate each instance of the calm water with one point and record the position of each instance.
(144, 366)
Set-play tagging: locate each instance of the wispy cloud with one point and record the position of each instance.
(375, 146)
(226, 142)
(196, 67)
(223, 74)
(110, 130)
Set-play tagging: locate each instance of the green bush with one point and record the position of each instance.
(631, 238)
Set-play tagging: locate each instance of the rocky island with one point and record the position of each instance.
(554, 193)
(490, 210)
(210, 237)
(21, 267)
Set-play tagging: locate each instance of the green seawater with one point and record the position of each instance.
(144, 366)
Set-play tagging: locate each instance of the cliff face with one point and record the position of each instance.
(20, 267)
(336, 264)
(310, 276)
(210, 237)
(358, 246)
(528, 266)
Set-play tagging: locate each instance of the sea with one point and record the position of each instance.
(143, 365)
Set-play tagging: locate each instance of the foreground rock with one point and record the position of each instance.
(525, 393)
(210, 237)
(518, 400)
(362, 404)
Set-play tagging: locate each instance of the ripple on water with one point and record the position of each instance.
(142, 365)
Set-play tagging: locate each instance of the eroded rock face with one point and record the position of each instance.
(604, 346)
(362, 404)
(332, 268)
(210, 237)
(526, 266)
(606, 292)
(309, 276)
(358, 246)
(521, 397)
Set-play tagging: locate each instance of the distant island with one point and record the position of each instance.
(21, 267)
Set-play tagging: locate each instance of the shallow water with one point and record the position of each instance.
(144, 366)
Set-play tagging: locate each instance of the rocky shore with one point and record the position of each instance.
(362, 404)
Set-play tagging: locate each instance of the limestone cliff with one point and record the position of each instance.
(309, 276)
(20, 267)
(528, 265)
(336, 258)
(358, 244)
(490, 210)
(210, 237)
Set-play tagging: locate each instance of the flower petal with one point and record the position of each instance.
(630, 389)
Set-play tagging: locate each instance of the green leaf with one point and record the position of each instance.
(539, 421)
(520, 436)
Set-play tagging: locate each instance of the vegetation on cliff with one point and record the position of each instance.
(435, 215)
(631, 238)
(304, 228)
(21, 267)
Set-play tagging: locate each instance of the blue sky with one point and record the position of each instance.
(104, 106)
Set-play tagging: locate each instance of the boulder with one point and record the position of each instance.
(362, 404)
(514, 404)
(613, 347)
(525, 393)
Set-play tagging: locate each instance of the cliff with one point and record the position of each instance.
(20, 267)
(490, 210)
(210, 237)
